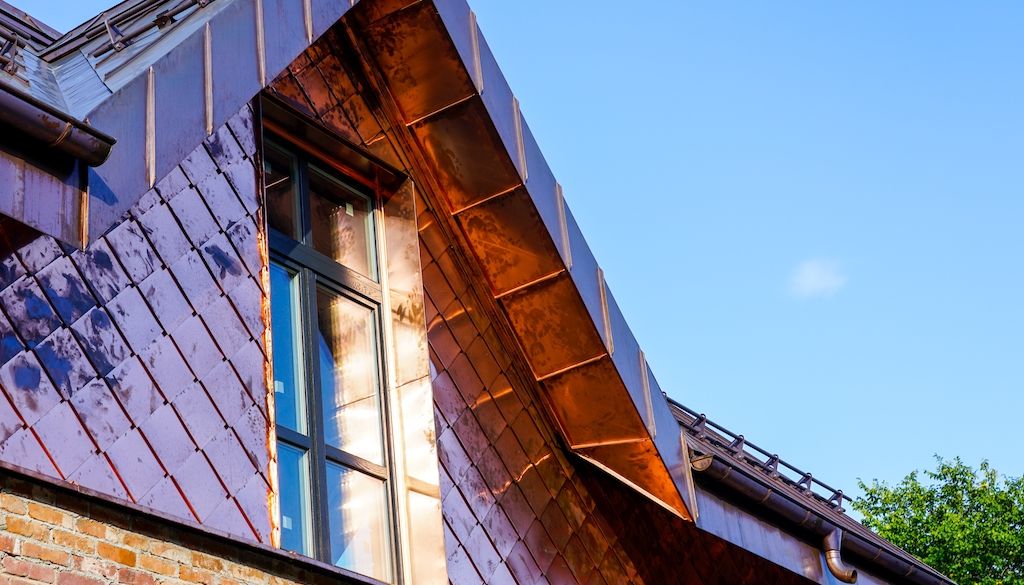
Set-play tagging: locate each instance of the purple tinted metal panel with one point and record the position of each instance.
(132, 315)
(166, 498)
(179, 103)
(132, 250)
(30, 313)
(135, 464)
(201, 486)
(101, 413)
(135, 390)
(61, 427)
(101, 340)
(28, 388)
(126, 358)
(236, 79)
(97, 474)
(64, 361)
(326, 13)
(23, 447)
(117, 184)
(101, 270)
(167, 435)
(285, 31)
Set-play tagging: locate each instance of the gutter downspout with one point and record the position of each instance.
(834, 560)
(54, 128)
(803, 516)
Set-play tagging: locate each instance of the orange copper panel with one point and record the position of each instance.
(592, 406)
(510, 241)
(418, 61)
(553, 326)
(465, 150)
(639, 465)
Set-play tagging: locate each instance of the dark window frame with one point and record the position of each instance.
(315, 270)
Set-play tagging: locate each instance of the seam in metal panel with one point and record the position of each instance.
(474, 37)
(563, 225)
(520, 145)
(261, 46)
(648, 399)
(307, 16)
(151, 127)
(208, 77)
(609, 343)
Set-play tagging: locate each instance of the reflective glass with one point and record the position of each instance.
(293, 475)
(279, 178)
(349, 378)
(286, 336)
(342, 222)
(357, 505)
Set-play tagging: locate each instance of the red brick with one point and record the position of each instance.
(134, 577)
(30, 569)
(117, 554)
(46, 553)
(75, 579)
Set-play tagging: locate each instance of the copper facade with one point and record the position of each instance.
(532, 442)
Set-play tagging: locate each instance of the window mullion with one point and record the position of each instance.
(314, 409)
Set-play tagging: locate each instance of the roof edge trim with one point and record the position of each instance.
(54, 128)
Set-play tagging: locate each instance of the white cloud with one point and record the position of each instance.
(818, 277)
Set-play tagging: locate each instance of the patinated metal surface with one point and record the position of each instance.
(501, 196)
(136, 367)
(513, 503)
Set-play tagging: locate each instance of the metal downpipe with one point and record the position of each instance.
(834, 557)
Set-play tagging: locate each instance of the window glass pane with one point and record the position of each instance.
(357, 505)
(293, 476)
(342, 223)
(279, 178)
(349, 376)
(286, 336)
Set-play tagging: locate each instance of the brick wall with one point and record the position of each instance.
(54, 535)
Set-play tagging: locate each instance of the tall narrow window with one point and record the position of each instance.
(336, 494)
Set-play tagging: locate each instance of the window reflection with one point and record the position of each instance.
(342, 223)
(293, 474)
(349, 377)
(289, 394)
(358, 522)
(279, 176)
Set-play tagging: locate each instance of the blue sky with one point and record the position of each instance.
(811, 213)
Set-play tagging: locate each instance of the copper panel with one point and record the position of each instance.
(553, 326)
(593, 407)
(639, 464)
(422, 67)
(627, 356)
(541, 184)
(510, 241)
(467, 153)
(584, 272)
(498, 99)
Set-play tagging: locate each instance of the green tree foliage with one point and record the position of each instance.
(967, 523)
